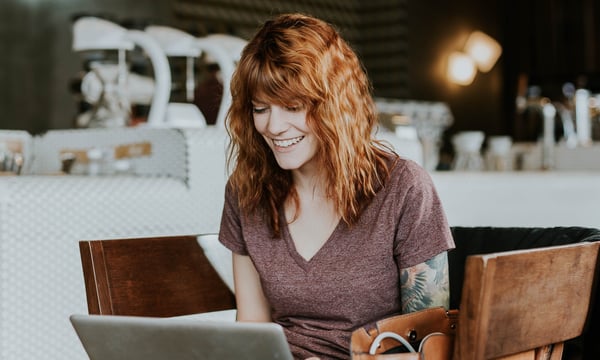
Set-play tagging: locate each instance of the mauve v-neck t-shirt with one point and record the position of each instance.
(354, 278)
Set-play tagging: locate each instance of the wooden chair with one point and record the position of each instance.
(158, 276)
(524, 304)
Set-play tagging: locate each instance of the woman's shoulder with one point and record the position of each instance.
(405, 169)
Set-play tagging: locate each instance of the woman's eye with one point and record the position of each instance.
(259, 109)
(294, 108)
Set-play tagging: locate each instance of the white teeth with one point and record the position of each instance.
(289, 142)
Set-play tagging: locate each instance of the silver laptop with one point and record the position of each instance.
(109, 337)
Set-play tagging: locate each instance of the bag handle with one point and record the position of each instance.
(388, 334)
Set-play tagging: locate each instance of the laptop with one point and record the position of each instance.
(112, 337)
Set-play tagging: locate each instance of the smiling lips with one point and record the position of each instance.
(288, 142)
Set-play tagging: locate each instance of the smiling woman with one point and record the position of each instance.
(330, 229)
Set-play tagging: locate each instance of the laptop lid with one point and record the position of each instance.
(111, 337)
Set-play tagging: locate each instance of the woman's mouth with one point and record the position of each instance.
(288, 142)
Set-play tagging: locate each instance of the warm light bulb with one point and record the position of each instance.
(484, 50)
(461, 68)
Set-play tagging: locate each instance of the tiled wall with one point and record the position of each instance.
(377, 29)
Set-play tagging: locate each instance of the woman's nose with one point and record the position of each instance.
(277, 120)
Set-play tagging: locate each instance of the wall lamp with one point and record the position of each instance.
(480, 53)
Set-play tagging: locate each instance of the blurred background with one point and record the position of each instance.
(404, 45)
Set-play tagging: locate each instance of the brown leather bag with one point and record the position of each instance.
(426, 335)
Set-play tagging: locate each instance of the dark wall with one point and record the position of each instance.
(550, 43)
(377, 29)
(545, 43)
(436, 29)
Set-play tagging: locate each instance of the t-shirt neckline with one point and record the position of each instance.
(304, 263)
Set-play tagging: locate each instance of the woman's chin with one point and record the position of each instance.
(288, 165)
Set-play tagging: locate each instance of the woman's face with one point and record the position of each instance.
(285, 130)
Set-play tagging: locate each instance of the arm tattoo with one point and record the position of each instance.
(425, 285)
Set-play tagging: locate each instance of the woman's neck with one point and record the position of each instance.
(311, 184)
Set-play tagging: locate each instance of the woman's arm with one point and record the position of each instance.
(251, 302)
(425, 285)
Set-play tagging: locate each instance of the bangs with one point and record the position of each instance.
(270, 83)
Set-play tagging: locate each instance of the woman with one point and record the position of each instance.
(329, 228)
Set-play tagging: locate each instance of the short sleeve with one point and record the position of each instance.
(422, 230)
(230, 232)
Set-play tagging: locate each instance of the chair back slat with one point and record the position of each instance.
(521, 300)
(158, 276)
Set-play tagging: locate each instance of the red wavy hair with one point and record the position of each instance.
(295, 57)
